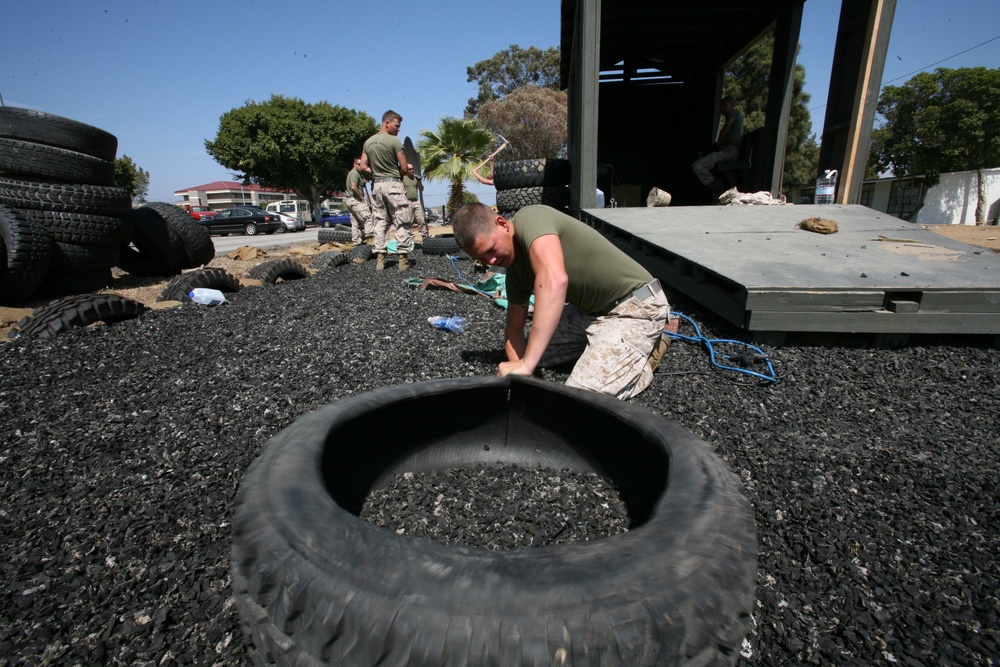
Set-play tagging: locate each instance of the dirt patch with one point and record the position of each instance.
(147, 290)
(985, 236)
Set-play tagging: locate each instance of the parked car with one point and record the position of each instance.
(292, 224)
(249, 220)
(331, 218)
(199, 212)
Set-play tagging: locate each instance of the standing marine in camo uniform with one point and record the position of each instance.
(414, 186)
(383, 156)
(593, 303)
(362, 228)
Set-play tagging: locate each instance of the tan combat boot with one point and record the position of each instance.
(404, 262)
(380, 261)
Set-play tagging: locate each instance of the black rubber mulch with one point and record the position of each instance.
(872, 472)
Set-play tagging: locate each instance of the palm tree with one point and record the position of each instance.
(450, 153)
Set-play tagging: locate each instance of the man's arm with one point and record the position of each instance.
(724, 130)
(550, 286)
(356, 192)
(364, 167)
(513, 334)
(403, 165)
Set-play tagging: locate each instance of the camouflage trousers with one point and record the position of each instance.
(612, 350)
(361, 220)
(391, 209)
(703, 166)
(419, 219)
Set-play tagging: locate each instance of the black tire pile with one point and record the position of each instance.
(521, 183)
(63, 223)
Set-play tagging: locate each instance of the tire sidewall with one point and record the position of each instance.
(285, 504)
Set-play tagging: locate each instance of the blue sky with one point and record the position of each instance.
(159, 74)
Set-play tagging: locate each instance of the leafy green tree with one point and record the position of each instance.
(511, 69)
(287, 144)
(132, 178)
(532, 119)
(450, 154)
(747, 79)
(941, 121)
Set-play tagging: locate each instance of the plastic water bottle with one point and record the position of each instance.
(826, 185)
(207, 296)
(453, 323)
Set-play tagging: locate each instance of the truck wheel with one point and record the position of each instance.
(151, 251)
(316, 584)
(82, 228)
(57, 164)
(194, 237)
(179, 289)
(78, 311)
(25, 256)
(512, 174)
(64, 197)
(43, 128)
(278, 269)
(326, 260)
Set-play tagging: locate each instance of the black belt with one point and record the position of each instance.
(642, 293)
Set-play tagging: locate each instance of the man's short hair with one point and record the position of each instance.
(391, 115)
(471, 222)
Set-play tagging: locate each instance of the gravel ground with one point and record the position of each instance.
(871, 471)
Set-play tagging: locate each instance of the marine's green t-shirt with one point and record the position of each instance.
(734, 136)
(355, 176)
(381, 149)
(411, 184)
(599, 273)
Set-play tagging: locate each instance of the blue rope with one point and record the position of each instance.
(752, 353)
(468, 283)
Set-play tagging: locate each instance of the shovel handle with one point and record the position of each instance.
(493, 154)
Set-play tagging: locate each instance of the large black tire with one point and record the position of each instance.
(64, 197)
(327, 260)
(83, 228)
(442, 244)
(58, 164)
(333, 236)
(179, 289)
(315, 584)
(151, 251)
(508, 175)
(363, 252)
(77, 311)
(77, 257)
(556, 196)
(25, 256)
(194, 237)
(58, 283)
(278, 269)
(43, 128)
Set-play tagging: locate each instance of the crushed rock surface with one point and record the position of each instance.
(872, 472)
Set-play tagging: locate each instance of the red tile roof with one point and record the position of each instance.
(228, 185)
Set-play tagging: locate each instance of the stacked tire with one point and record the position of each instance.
(63, 223)
(521, 183)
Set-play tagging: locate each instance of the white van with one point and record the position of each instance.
(299, 208)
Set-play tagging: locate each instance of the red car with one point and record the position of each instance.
(199, 212)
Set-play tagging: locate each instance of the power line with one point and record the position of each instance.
(941, 61)
(917, 71)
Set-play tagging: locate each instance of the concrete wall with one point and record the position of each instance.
(953, 200)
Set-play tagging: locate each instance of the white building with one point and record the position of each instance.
(952, 201)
